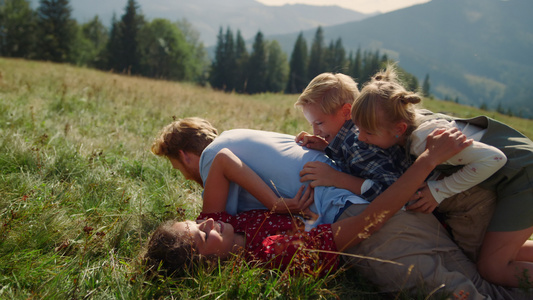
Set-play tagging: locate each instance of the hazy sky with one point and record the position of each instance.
(363, 6)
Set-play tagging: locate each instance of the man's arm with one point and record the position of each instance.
(227, 167)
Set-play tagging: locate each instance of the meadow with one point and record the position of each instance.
(80, 191)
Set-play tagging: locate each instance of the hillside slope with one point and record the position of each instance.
(478, 51)
(149, 102)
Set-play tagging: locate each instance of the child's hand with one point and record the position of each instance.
(422, 201)
(443, 144)
(297, 205)
(319, 173)
(315, 142)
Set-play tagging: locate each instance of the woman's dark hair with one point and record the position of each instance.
(170, 251)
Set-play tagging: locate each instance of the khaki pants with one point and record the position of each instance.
(468, 214)
(426, 259)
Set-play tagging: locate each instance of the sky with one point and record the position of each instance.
(362, 6)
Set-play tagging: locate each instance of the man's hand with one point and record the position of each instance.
(319, 173)
(314, 142)
(422, 201)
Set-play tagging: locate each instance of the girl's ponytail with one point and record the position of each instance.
(385, 96)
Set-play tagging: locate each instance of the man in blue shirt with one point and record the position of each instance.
(276, 158)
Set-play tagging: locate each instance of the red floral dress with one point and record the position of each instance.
(278, 240)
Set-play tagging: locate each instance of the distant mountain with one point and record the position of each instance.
(478, 51)
(207, 16)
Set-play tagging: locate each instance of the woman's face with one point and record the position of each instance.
(210, 237)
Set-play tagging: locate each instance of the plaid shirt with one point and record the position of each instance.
(382, 166)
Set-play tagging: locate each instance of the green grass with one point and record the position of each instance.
(80, 191)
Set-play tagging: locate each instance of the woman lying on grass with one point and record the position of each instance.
(278, 240)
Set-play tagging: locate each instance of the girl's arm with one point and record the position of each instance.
(227, 167)
(441, 146)
(479, 162)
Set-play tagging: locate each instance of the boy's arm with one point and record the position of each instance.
(227, 167)
(441, 146)
(322, 174)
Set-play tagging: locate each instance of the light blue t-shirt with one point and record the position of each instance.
(278, 160)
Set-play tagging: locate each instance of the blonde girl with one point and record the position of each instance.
(500, 160)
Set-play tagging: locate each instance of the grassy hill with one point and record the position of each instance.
(80, 191)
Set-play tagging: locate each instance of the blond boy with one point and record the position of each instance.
(366, 170)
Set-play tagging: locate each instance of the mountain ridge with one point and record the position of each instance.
(476, 51)
(207, 16)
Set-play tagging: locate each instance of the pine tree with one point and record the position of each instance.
(129, 27)
(96, 32)
(298, 67)
(316, 57)
(96, 35)
(216, 76)
(411, 83)
(257, 66)
(113, 48)
(426, 87)
(56, 30)
(357, 69)
(372, 65)
(277, 68)
(122, 48)
(339, 57)
(242, 57)
(224, 71)
(17, 29)
(499, 108)
(230, 61)
(329, 58)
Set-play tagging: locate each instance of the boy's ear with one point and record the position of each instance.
(346, 111)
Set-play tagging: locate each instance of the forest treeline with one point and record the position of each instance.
(172, 50)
